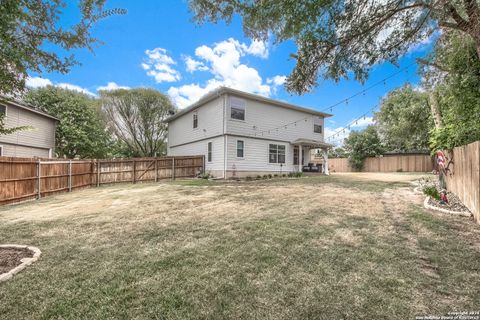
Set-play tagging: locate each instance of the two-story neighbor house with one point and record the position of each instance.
(244, 134)
(38, 141)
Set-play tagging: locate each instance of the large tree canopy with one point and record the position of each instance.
(334, 37)
(81, 132)
(30, 29)
(404, 120)
(136, 117)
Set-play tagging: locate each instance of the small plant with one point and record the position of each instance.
(284, 175)
(259, 177)
(400, 170)
(298, 174)
(291, 174)
(248, 178)
(275, 175)
(265, 177)
(432, 192)
(205, 175)
(270, 176)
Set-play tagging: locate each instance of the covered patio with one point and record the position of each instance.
(302, 155)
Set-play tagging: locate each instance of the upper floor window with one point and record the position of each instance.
(3, 110)
(240, 148)
(237, 108)
(276, 153)
(209, 152)
(195, 120)
(317, 125)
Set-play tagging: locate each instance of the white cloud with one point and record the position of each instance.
(223, 61)
(277, 80)
(194, 65)
(158, 65)
(37, 82)
(111, 86)
(340, 134)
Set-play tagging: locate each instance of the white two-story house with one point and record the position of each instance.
(244, 134)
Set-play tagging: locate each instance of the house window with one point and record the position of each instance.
(195, 120)
(1, 151)
(209, 152)
(237, 108)
(240, 148)
(276, 153)
(295, 156)
(3, 110)
(317, 125)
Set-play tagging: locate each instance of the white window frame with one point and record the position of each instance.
(243, 149)
(195, 115)
(317, 122)
(284, 155)
(238, 107)
(210, 152)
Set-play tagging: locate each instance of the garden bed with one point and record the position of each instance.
(14, 258)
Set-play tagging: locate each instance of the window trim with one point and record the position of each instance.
(244, 109)
(277, 153)
(243, 149)
(195, 120)
(317, 124)
(209, 152)
(6, 109)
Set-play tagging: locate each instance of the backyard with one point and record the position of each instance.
(357, 246)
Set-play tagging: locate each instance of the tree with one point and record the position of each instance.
(28, 28)
(452, 75)
(362, 144)
(404, 120)
(81, 133)
(136, 117)
(335, 37)
(337, 153)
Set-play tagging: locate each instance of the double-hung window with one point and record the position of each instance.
(209, 152)
(237, 108)
(3, 110)
(317, 125)
(195, 120)
(240, 149)
(276, 153)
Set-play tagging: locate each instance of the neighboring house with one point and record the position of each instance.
(37, 141)
(244, 134)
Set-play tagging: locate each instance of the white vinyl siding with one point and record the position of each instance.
(201, 148)
(210, 124)
(261, 118)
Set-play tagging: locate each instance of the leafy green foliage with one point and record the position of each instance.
(334, 37)
(27, 26)
(404, 120)
(136, 118)
(432, 192)
(453, 72)
(363, 144)
(81, 131)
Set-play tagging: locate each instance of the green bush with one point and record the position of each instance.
(275, 175)
(270, 176)
(284, 175)
(204, 175)
(248, 178)
(259, 177)
(432, 192)
(265, 177)
(400, 170)
(298, 174)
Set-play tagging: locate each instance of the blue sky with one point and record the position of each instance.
(157, 45)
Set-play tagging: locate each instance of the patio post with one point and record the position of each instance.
(300, 158)
(325, 161)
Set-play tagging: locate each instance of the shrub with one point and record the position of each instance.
(248, 178)
(265, 177)
(400, 170)
(259, 177)
(284, 175)
(204, 175)
(275, 175)
(432, 192)
(270, 176)
(298, 174)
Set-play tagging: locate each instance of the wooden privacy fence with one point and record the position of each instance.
(463, 177)
(29, 178)
(387, 163)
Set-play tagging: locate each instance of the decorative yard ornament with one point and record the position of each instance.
(443, 197)
(441, 168)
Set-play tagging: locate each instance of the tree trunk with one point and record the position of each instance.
(435, 110)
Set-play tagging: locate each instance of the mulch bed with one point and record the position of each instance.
(454, 203)
(11, 257)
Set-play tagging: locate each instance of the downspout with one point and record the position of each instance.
(225, 136)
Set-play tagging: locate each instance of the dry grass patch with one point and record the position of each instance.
(319, 247)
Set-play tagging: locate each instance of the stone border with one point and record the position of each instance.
(457, 213)
(25, 261)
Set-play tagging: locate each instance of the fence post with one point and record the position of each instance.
(39, 173)
(133, 174)
(69, 175)
(98, 173)
(156, 170)
(173, 168)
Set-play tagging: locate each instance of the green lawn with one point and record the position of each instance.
(335, 247)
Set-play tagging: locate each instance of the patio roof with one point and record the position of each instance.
(312, 143)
